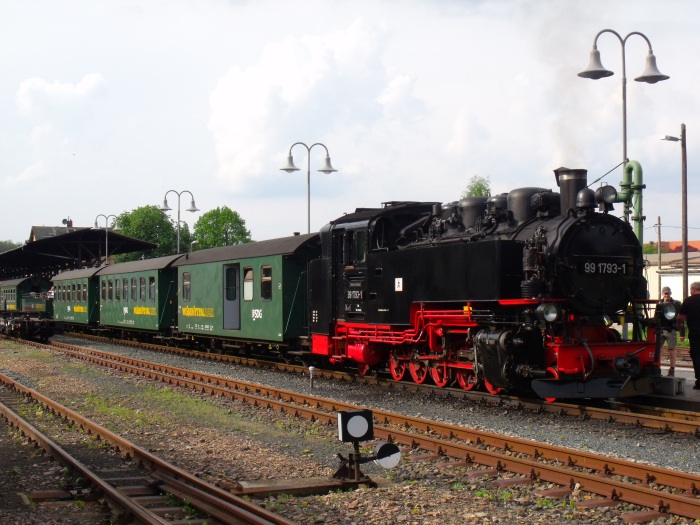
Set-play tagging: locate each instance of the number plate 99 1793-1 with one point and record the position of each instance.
(593, 267)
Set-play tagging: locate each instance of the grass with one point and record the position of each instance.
(159, 406)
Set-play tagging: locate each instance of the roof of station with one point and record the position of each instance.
(51, 249)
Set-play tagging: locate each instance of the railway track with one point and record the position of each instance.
(150, 491)
(623, 412)
(511, 460)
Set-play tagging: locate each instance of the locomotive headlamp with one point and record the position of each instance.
(548, 312)
(669, 311)
(605, 196)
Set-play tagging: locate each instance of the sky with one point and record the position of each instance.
(108, 106)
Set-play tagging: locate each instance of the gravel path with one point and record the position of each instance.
(223, 442)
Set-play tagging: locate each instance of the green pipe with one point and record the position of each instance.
(631, 195)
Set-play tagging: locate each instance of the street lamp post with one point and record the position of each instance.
(651, 75)
(106, 218)
(290, 167)
(165, 207)
(595, 71)
(684, 205)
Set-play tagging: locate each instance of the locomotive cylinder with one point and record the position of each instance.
(362, 353)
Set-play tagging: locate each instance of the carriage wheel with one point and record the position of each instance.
(441, 375)
(492, 389)
(554, 374)
(362, 369)
(397, 368)
(419, 371)
(467, 379)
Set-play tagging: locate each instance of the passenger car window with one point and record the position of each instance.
(186, 286)
(266, 283)
(247, 284)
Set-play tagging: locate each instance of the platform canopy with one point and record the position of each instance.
(52, 249)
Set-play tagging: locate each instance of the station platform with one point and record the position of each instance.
(678, 394)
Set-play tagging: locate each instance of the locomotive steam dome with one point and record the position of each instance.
(472, 208)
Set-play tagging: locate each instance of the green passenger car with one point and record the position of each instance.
(139, 296)
(75, 297)
(26, 295)
(252, 293)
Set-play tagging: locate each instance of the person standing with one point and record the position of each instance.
(668, 332)
(690, 314)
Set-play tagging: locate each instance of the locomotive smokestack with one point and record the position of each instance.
(570, 182)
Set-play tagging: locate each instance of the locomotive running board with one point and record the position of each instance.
(601, 387)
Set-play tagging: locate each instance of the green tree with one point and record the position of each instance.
(149, 223)
(653, 248)
(8, 245)
(220, 227)
(478, 187)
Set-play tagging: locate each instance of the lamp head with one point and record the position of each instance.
(290, 167)
(192, 207)
(651, 74)
(165, 206)
(595, 69)
(327, 168)
(670, 138)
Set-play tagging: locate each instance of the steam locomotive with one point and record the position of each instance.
(533, 291)
(530, 291)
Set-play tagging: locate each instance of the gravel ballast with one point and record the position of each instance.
(224, 442)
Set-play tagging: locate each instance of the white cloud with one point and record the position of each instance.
(36, 94)
(29, 174)
(298, 83)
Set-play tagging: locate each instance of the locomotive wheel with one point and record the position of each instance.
(419, 371)
(397, 368)
(495, 390)
(467, 379)
(441, 375)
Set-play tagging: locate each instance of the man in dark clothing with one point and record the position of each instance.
(668, 329)
(690, 313)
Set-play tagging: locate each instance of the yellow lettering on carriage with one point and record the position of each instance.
(143, 310)
(195, 311)
(80, 309)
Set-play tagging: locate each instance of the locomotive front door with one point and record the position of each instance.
(232, 296)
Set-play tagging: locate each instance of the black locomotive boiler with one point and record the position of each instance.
(530, 291)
